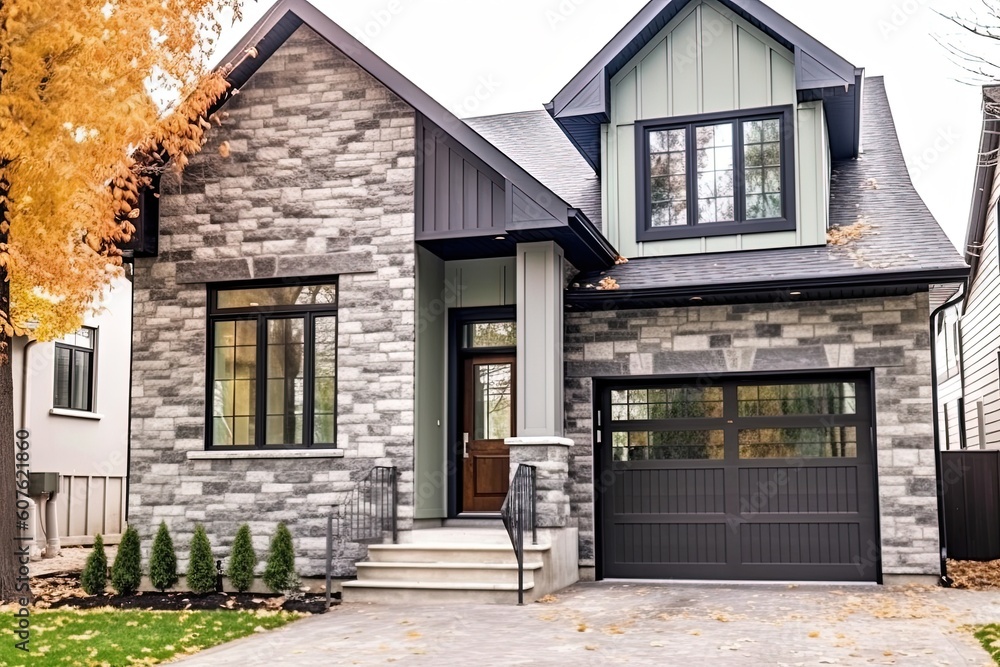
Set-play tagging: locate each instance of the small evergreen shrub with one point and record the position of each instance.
(279, 573)
(201, 573)
(242, 560)
(163, 560)
(94, 578)
(126, 573)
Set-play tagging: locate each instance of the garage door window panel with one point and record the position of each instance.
(799, 443)
(690, 445)
(830, 398)
(666, 403)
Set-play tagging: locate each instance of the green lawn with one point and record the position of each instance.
(989, 637)
(117, 637)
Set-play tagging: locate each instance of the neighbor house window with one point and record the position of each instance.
(74, 362)
(715, 174)
(273, 365)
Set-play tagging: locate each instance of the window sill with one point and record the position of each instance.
(709, 229)
(79, 414)
(242, 454)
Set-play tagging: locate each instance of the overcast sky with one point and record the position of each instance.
(482, 57)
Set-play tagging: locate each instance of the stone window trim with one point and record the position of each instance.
(263, 315)
(236, 454)
(689, 124)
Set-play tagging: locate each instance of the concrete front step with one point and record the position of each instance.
(453, 552)
(491, 573)
(470, 564)
(475, 521)
(391, 592)
(468, 534)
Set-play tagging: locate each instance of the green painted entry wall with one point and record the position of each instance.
(708, 60)
(442, 286)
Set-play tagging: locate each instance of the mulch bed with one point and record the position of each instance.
(61, 591)
(974, 575)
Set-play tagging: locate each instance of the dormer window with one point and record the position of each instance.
(716, 174)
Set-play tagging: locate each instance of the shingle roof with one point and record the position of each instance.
(533, 140)
(904, 237)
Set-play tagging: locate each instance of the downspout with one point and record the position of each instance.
(31, 533)
(938, 464)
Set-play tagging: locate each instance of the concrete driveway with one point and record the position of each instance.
(616, 623)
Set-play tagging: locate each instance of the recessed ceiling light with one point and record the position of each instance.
(696, 298)
(796, 293)
(499, 238)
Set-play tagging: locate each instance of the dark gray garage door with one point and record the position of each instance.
(769, 478)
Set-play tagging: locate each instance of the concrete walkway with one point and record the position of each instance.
(614, 623)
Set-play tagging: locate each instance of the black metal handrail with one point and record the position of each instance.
(370, 511)
(518, 512)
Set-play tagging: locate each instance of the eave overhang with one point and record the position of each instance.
(583, 244)
(986, 166)
(869, 285)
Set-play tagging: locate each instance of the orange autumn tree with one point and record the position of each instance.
(81, 133)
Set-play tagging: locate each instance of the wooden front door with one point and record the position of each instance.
(488, 418)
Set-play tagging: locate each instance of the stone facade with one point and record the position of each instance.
(550, 458)
(319, 182)
(890, 335)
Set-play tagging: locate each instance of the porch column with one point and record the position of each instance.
(539, 340)
(550, 457)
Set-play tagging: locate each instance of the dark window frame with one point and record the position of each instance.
(309, 313)
(91, 352)
(693, 229)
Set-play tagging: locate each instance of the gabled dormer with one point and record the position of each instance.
(713, 125)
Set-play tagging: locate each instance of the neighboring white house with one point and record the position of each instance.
(72, 396)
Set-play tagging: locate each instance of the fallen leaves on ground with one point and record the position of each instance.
(975, 575)
(913, 603)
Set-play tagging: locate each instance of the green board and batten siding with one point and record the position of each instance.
(708, 60)
(430, 461)
(440, 286)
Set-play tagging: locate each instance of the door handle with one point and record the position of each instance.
(465, 445)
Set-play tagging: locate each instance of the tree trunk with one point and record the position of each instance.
(11, 554)
(9, 544)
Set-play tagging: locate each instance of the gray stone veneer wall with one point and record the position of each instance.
(890, 335)
(320, 181)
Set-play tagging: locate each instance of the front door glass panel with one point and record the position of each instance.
(492, 407)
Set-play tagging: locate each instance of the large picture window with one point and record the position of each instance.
(74, 376)
(715, 174)
(273, 366)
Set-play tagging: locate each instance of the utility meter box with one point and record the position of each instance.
(40, 483)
